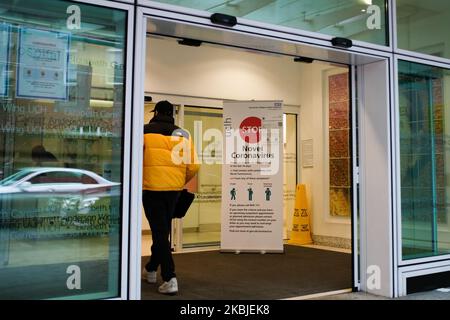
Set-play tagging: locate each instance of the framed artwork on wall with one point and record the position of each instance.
(337, 124)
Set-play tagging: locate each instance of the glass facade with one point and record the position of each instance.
(424, 157)
(363, 20)
(62, 80)
(422, 26)
(61, 123)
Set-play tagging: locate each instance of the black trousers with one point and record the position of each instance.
(159, 207)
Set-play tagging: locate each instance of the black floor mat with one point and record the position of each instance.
(227, 276)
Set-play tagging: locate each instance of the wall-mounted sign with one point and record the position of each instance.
(307, 153)
(252, 177)
(4, 55)
(42, 64)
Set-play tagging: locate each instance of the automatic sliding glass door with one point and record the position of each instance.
(201, 226)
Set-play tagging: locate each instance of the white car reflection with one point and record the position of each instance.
(66, 189)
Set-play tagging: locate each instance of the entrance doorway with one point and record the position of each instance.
(317, 149)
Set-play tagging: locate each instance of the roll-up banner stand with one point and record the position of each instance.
(252, 177)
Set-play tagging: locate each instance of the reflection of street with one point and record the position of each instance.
(41, 266)
(34, 253)
(44, 203)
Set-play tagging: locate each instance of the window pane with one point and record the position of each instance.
(362, 20)
(422, 26)
(423, 156)
(61, 123)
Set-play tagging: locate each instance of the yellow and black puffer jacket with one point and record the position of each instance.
(169, 155)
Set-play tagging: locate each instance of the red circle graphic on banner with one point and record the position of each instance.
(250, 129)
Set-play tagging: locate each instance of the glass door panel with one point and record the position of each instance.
(61, 149)
(201, 225)
(364, 20)
(423, 102)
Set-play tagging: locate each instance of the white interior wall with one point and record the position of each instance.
(219, 72)
(223, 73)
(312, 127)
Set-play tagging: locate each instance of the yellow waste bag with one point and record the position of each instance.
(301, 224)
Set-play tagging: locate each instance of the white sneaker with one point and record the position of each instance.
(169, 287)
(149, 276)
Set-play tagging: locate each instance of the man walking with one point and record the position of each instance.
(163, 179)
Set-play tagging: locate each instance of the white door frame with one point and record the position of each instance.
(127, 149)
(135, 230)
(241, 35)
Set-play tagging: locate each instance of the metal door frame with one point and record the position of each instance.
(242, 36)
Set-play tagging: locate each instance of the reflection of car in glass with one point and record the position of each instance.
(55, 190)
